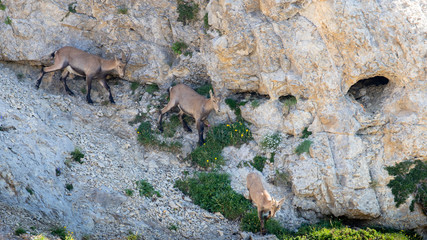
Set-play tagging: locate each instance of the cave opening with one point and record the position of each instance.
(370, 92)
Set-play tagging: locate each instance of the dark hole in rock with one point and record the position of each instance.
(370, 92)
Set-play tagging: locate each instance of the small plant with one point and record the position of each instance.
(20, 76)
(305, 133)
(280, 178)
(146, 134)
(72, 7)
(271, 142)
(235, 106)
(179, 47)
(8, 21)
(2, 6)
(133, 236)
(288, 100)
(212, 192)
(83, 90)
(134, 86)
(20, 231)
(129, 192)
(303, 147)
(122, 10)
(39, 237)
(204, 89)
(69, 186)
(77, 155)
(410, 177)
(30, 190)
(259, 162)
(218, 137)
(146, 189)
(151, 88)
(206, 21)
(60, 232)
(173, 227)
(171, 126)
(255, 103)
(186, 11)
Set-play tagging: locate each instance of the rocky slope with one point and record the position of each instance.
(317, 51)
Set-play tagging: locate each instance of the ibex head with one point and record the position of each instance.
(215, 101)
(121, 64)
(275, 206)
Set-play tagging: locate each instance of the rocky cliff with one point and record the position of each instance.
(357, 71)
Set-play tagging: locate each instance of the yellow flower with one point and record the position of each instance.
(247, 130)
(228, 125)
(241, 135)
(215, 158)
(207, 160)
(235, 130)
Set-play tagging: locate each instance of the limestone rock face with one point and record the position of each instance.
(357, 70)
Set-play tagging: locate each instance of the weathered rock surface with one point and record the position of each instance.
(313, 50)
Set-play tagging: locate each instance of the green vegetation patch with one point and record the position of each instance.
(288, 100)
(146, 136)
(206, 21)
(187, 11)
(2, 6)
(204, 90)
(134, 86)
(271, 142)
(410, 177)
(77, 155)
(129, 192)
(20, 231)
(218, 137)
(171, 126)
(151, 88)
(255, 103)
(305, 133)
(235, 106)
(8, 21)
(179, 47)
(146, 189)
(259, 162)
(122, 10)
(303, 147)
(212, 192)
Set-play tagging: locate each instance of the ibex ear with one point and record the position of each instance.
(210, 93)
(123, 56)
(281, 202)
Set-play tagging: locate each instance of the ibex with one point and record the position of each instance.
(266, 205)
(191, 103)
(86, 65)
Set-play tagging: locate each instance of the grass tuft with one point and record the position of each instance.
(212, 192)
(20, 231)
(122, 10)
(186, 11)
(259, 162)
(146, 189)
(77, 155)
(8, 21)
(179, 47)
(303, 147)
(305, 133)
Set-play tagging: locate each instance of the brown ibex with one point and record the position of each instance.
(266, 205)
(191, 103)
(86, 65)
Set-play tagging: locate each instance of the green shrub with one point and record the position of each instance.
(271, 142)
(171, 126)
(60, 232)
(72, 7)
(20, 231)
(255, 103)
(129, 192)
(30, 190)
(250, 222)
(259, 162)
(305, 133)
(146, 134)
(409, 178)
(204, 90)
(8, 21)
(151, 88)
(179, 47)
(288, 100)
(122, 10)
(77, 155)
(218, 137)
(2, 6)
(303, 147)
(212, 192)
(173, 227)
(69, 186)
(134, 86)
(146, 189)
(235, 106)
(186, 11)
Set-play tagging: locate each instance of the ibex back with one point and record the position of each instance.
(86, 65)
(191, 103)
